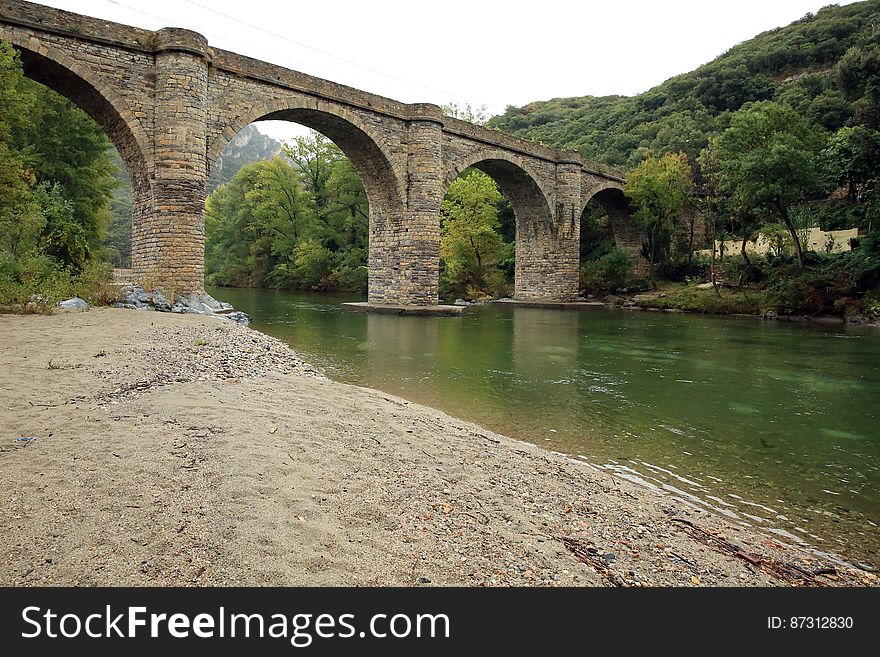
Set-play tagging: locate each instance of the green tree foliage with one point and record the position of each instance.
(825, 66)
(20, 221)
(470, 245)
(858, 74)
(117, 239)
(68, 149)
(852, 159)
(712, 203)
(55, 188)
(606, 274)
(297, 221)
(466, 112)
(768, 161)
(658, 190)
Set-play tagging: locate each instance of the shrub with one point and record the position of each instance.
(811, 292)
(679, 269)
(607, 274)
(351, 273)
(734, 269)
(94, 284)
(35, 283)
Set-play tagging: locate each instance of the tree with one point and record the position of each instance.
(466, 112)
(348, 218)
(117, 238)
(20, 221)
(69, 149)
(852, 158)
(658, 190)
(296, 222)
(858, 74)
(55, 172)
(710, 200)
(255, 221)
(314, 156)
(768, 161)
(470, 244)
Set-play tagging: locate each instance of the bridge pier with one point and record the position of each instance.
(414, 262)
(168, 232)
(548, 246)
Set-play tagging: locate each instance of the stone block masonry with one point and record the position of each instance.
(170, 103)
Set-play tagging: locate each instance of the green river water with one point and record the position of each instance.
(773, 424)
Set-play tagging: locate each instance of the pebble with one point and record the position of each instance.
(226, 352)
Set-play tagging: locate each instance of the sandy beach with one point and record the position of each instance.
(142, 448)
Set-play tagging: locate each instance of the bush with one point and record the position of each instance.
(37, 283)
(94, 284)
(834, 284)
(33, 283)
(231, 275)
(309, 268)
(863, 264)
(734, 269)
(679, 269)
(811, 292)
(607, 274)
(351, 274)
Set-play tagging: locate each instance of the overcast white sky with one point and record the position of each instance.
(466, 51)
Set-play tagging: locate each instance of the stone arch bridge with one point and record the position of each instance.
(170, 103)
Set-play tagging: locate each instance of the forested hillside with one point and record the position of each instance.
(826, 66)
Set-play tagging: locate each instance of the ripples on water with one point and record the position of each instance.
(773, 425)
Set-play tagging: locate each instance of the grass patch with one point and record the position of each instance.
(689, 298)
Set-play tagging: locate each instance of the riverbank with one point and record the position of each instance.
(144, 448)
(739, 302)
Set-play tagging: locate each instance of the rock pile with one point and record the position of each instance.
(135, 297)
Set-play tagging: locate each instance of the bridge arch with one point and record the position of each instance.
(607, 193)
(610, 196)
(382, 176)
(86, 89)
(530, 202)
(515, 178)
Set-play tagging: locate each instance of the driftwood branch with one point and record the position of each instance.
(790, 573)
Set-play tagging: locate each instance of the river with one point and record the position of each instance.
(773, 424)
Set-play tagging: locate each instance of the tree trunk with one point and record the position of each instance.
(742, 249)
(783, 211)
(713, 233)
(745, 255)
(691, 223)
